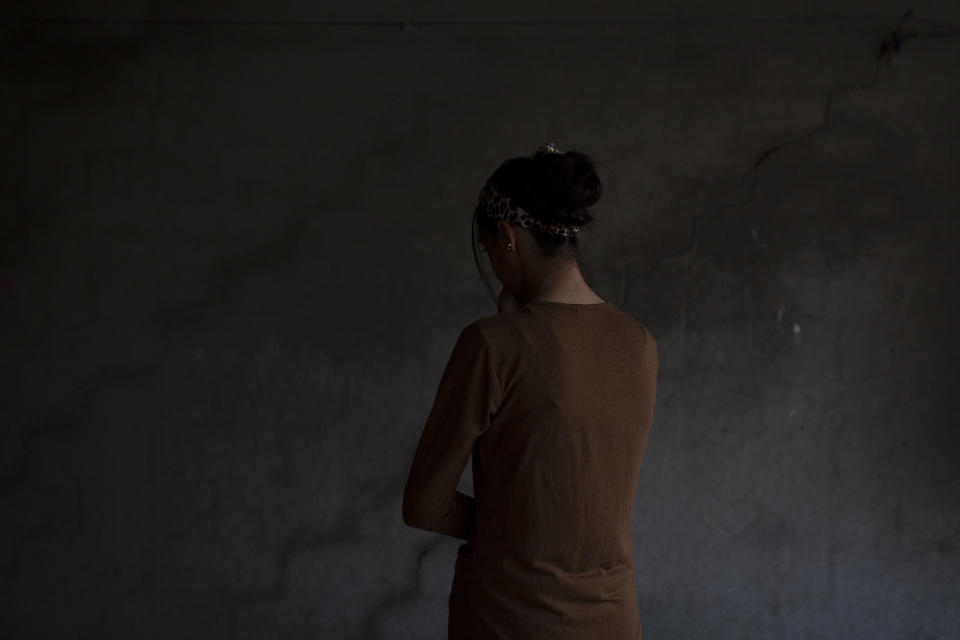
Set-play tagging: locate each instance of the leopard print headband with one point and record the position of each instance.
(494, 203)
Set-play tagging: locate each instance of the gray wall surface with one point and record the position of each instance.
(235, 258)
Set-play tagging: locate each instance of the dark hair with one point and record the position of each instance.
(552, 187)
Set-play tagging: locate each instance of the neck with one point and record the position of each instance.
(560, 280)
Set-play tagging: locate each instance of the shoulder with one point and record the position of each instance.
(648, 344)
(497, 328)
(639, 336)
(499, 333)
(485, 332)
(486, 324)
(647, 336)
(477, 332)
(632, 323)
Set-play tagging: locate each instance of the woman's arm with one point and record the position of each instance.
(468, 395)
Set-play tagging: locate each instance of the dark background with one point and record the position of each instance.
(235, 258)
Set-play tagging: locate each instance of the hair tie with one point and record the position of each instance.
(549, 148)
(496, 204)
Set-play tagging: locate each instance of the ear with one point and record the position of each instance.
(507, 233)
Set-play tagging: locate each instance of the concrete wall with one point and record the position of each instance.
(235, 258)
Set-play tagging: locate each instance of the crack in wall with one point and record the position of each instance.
(404, 595)
(888, 47)
(319, 536)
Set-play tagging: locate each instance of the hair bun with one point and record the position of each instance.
(573, 176)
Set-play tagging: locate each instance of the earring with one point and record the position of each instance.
(509, 246)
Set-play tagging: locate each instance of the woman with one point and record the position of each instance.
(553, 396)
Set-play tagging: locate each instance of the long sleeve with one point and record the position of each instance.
(468, 396)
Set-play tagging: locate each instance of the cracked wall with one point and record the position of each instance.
(235, 259)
